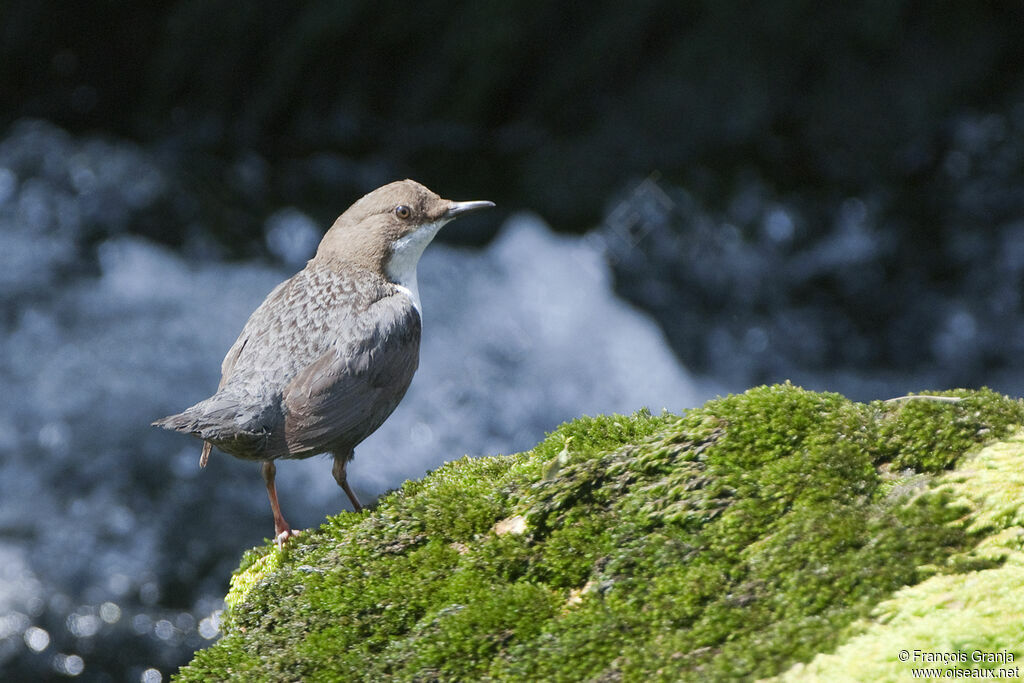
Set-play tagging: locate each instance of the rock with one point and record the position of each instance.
(743, 539)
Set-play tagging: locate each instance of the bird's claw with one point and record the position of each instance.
(283, 537)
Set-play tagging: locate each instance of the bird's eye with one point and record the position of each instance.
(403, 211)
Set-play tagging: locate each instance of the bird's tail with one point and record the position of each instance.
(220, 422)
(187, 423)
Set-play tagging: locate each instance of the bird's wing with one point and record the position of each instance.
(262, 319)
(227, 366)
(342, 397)
(225, 372)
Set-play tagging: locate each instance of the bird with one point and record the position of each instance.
(329, 354)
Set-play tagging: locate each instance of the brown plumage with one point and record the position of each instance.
(329, 354)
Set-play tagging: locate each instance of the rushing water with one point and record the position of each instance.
(115, 549)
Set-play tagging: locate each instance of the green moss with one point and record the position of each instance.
(735, 541)
(929, 436)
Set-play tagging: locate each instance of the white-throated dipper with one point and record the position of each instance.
(330, 352)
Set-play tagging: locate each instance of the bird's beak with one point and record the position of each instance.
(459, 208)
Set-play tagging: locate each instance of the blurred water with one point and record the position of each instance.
(115, 550)
(905, 285)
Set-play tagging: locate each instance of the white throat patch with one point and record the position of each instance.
(405, 255)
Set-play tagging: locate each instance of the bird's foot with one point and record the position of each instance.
(283, 536)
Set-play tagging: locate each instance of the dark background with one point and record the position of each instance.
(826, 192)
(911, 109)
(545, 105)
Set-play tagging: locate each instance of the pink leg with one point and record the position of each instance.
(282, 532)
(340, 461)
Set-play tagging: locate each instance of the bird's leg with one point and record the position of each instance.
(340, 461)
(282, 532)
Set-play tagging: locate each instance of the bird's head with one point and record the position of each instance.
(388, 229)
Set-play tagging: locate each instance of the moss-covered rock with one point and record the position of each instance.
(745, 539)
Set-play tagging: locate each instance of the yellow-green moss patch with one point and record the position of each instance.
(960, 614)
